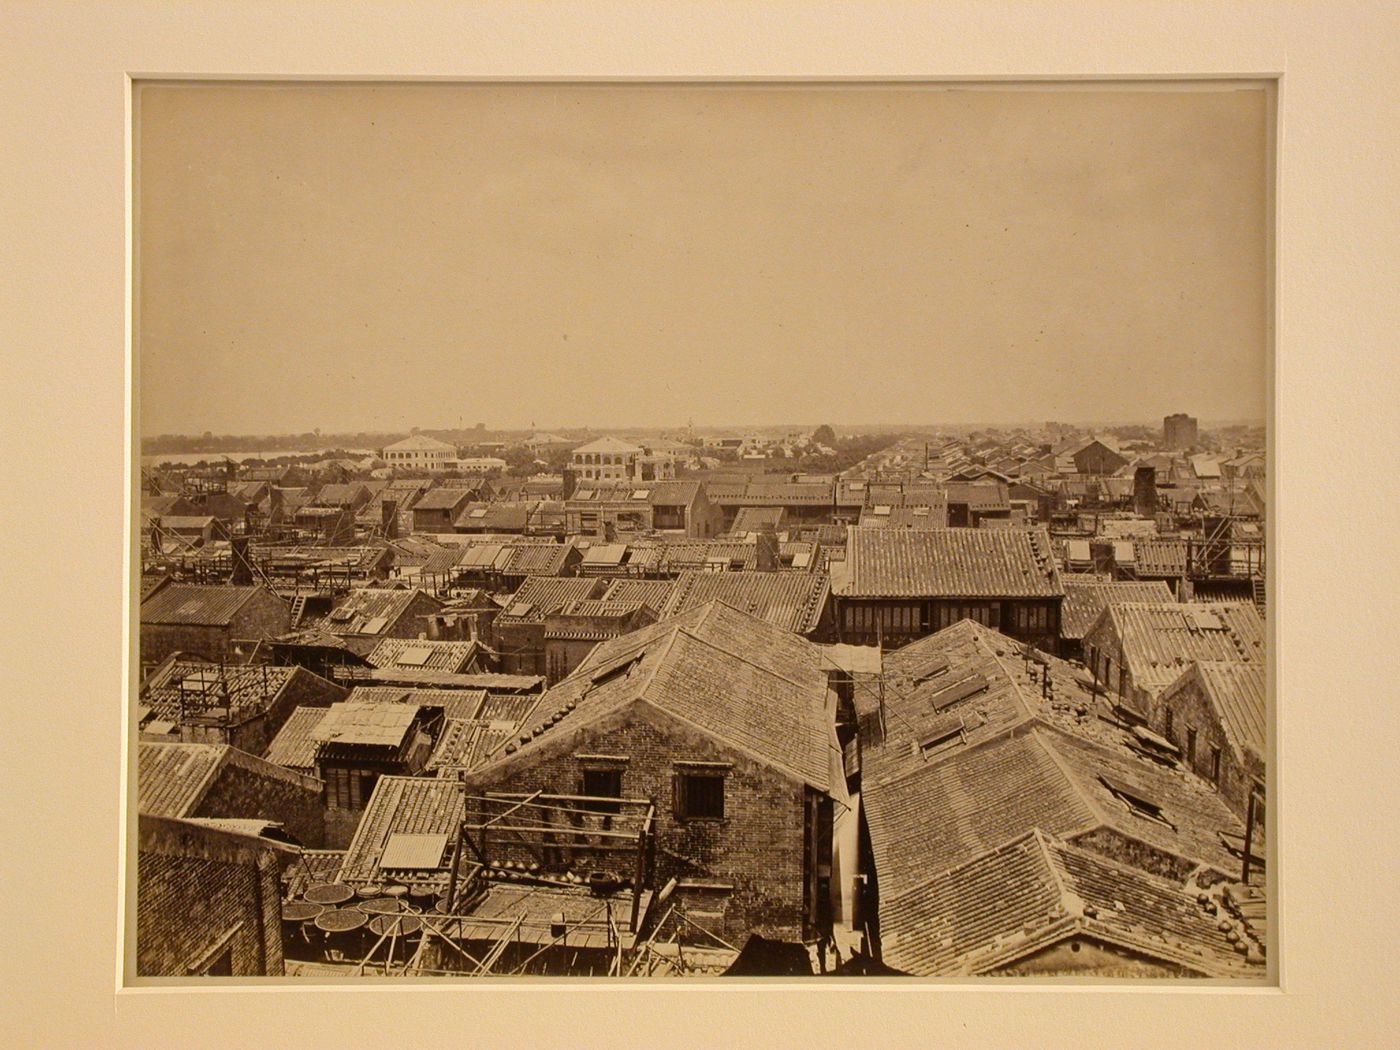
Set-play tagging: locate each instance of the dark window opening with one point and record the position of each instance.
(699, 797)
(1136, 800)
(1215, 764)
(602, 784)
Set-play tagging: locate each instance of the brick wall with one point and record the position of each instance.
(246, 787)
(745, 871)
(199, 892)
(413, 622)
(160, 640)
(264, 615)
(1191, 708)
(1086, 957)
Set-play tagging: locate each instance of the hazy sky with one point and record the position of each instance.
(386, 256)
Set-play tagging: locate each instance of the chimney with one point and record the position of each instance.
(766, 555)
(570, 484)
(389, 518)
(242, 567)
(1145, 491)
(274, 505)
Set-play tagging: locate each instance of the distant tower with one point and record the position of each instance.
(1180, 432)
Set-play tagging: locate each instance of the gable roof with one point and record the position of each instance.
(968, 563)
(750, 686)
(402, 805)
(293, 746)
(790, 600)
(1034, 891)
(187, 604)
(1236, 691)
(368, 611)
(444, 498)
(423, 653)
(945, 813)
(172, 779)
(1158, 640)
(539, 596)
(1084, 600)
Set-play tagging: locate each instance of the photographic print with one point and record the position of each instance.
(679, 530)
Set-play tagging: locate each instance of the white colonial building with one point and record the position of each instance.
(420, 452)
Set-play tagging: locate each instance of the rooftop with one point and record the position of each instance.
(1084, 601)
(1159, 639)
(1033, 891)
(188, 604)
(964, 563)
(745, 683)
(793, 601)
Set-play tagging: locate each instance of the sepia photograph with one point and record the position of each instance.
(677, 530)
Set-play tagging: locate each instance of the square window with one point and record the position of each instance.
(601, 784)
(699, 796)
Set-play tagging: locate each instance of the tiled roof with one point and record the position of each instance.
(1085, 600)
(792, 601)
(339, 495)
(979, 495)
(195, 605)
(172, 779)
(536, 559)
(937, 563)
(947, 812)
(771, 494)
(888, 516)
(455, 703)
(1156, 557)
(247, 689)
(361, 609)
(495, 517)
(423, 654)
(652, 593)
(444, 498)
(293, 746)
(1158, 640)
(401, 805)
(747, 684)
(541, 595)
(1237, 691)
(756, 519)
(1034, 891)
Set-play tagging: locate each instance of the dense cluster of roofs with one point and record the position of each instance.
(975, 707)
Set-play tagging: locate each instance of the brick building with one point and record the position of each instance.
(208, 900)
(363, 618)
(727, 725)
(1138, 649)
(218, 781)
(209, 621)
(572, 632)
(519, 630)
(1214, 713)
